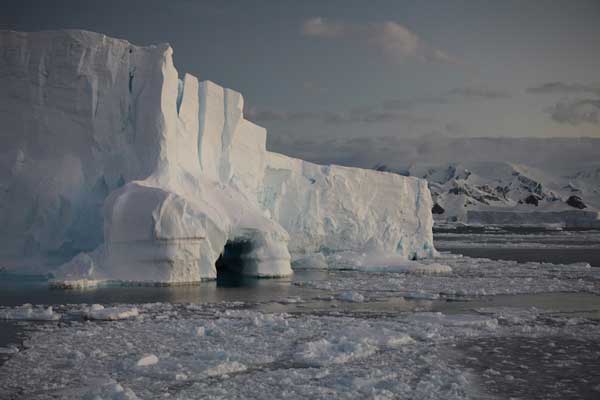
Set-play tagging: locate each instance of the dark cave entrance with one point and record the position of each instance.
(230, 264)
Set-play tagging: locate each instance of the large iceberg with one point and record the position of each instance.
(113, 166)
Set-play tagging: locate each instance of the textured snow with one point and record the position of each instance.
(117, 167)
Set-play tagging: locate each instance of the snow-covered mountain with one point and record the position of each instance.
(118, 167)
(510, 193)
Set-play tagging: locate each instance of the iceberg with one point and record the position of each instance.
(113, 166)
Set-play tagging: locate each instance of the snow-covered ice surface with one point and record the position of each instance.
(352, 337)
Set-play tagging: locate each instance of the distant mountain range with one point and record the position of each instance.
(555, 187)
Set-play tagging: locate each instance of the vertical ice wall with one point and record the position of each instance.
(232, 149)
(78, 115)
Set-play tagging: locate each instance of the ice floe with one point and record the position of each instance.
(29, 312)
(463, 277)
(98, 311)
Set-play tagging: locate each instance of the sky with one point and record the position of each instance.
(350, 73)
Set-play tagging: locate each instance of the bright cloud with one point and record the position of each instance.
(394, 40)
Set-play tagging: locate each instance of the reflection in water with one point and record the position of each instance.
(228, 287)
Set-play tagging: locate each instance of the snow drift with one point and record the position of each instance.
(112, 166)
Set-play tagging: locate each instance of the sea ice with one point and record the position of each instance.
(147, 360)
(98, 311)
(463, 277)
(383, 262)
(250, 353)
(352, 297)
(28, 312)
(12, 349)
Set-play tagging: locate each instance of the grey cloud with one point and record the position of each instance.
(575, 112)
(394, 40)
(478, 92)
(408, 104)
(399, 152)
(455, 129)
(469, 93)
(313, 87)
(363, 115)
(264, 115)
(375, 116)
(563, 88)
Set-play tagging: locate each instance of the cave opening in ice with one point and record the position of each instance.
(230, 264)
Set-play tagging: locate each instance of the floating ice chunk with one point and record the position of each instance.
(463, 321)
(422, 295)
(75, 284)
(147, 360)
(353, 297)
(337, 350)
(97, 311)
(28, 312)
(384, 262)
(110, 390)
(292, 300)
(225, 368)
(11, 349)
(200, 331)
(181, 377)
(399, 341)
(511, 315)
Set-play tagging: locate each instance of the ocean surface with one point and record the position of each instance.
(513, 367)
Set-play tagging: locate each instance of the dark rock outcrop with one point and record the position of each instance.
(437, 209)
(532, 199)
(577, 202)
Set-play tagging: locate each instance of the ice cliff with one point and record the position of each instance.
(114, 166)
